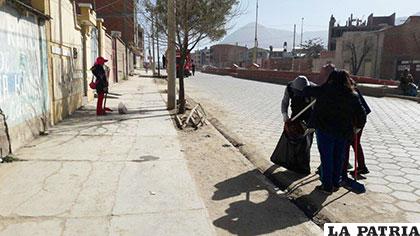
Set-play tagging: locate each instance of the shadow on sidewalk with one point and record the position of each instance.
(86, 119)
(246, 217)
(286, 179)
(313, 202)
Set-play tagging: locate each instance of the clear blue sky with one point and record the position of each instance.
(283, 14)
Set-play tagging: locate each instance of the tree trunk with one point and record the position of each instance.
(184, 52)
(182, 107)
(6, 130)
(182, 102)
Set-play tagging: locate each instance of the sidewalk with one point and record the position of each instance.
(112, 175)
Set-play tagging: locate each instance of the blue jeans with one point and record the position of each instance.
(332, 151)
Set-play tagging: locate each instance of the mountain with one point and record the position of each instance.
(401, 20)
(244, 36)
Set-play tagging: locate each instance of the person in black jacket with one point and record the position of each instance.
(337, 114)
(101, 84)
(298, 149)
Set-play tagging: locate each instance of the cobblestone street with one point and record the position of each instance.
(391, 139)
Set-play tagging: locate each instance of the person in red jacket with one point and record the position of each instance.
(101, 84)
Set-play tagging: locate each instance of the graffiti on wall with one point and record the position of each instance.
(23, 67)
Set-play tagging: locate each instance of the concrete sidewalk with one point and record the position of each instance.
(112, 175)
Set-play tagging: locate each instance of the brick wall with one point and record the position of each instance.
(283, 77)
(224, 55)
(401, 43)
(112, 11)
(121, 60)
(288, 64)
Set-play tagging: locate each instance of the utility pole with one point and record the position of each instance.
(301, 34)
(294, 39)
(254, 60)
(157, 48)
(237, 53)
(125, 36)
(153, 44)
(171, 55)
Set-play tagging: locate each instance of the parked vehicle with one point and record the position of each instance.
(187, 64)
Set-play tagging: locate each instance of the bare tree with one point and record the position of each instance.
(358, 56)
(313, 47)
(196, 20)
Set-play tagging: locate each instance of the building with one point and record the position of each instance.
(24, 74)
(373, 23)
(383, 53)
(262, 54)
(120, 17)
(46, 54)
(225, 55)
(205, 56)
(196, 58)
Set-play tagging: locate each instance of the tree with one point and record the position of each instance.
(195, 20)
(313, 47)
(358, 56)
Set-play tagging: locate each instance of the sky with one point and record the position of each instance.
(282, 14)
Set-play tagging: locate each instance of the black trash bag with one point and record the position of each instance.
(293, 154)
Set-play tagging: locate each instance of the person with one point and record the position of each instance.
(164, 61)
(361, 167)
(101, 84)
(293, 149)
(193, 69)
(324, 73)
(407, 84)
(337, 113)
(146, 67)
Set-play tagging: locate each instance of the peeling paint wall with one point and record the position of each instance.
(66, 60)
(23, 73)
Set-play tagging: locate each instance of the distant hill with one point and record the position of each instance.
(401, 20)
(244, 36)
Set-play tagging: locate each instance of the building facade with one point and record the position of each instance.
(225, 55)
(46, 54)
(373, 23)
(121, 16)
(384, 53)
(24, 85)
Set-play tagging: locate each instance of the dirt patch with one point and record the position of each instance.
(239, 199)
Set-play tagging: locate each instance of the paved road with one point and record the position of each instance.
(391, 138)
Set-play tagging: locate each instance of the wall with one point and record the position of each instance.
(66, 60)
(109, 55)
(288, 64)
(283, 77)
(401, 43)
(109, 10)
(23, 75)
(224, 55)
(121, 60)
(359, 39)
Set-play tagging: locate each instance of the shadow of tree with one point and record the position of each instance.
(246, 217)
